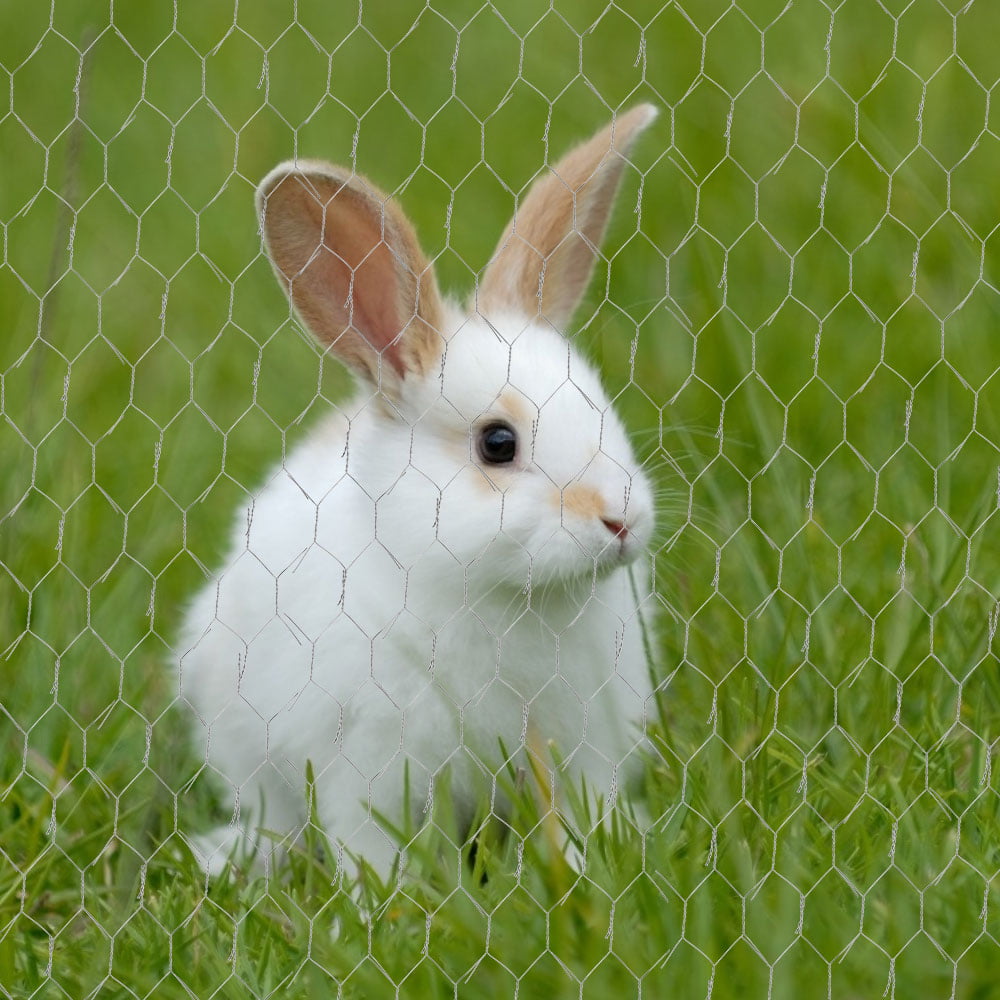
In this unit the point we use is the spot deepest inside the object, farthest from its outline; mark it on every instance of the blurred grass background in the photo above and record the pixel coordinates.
(801, 327)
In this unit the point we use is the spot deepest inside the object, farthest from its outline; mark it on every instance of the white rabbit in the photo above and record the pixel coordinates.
(442, 568)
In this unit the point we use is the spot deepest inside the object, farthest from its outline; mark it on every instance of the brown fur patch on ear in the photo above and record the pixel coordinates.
(543, 262)
(583, 501)
(351, 265)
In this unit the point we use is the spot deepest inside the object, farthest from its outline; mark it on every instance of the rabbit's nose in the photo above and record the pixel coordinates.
(617, 528)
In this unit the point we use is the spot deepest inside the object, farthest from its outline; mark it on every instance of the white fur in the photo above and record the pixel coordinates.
(388, 603)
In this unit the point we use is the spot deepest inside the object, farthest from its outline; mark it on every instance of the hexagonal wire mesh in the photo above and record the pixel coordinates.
(793, 311)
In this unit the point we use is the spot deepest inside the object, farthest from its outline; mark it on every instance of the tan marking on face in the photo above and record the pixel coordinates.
(582, 501)
(514, 406)
(487, 482)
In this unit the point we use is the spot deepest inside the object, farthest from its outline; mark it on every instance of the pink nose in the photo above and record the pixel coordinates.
(617, 528)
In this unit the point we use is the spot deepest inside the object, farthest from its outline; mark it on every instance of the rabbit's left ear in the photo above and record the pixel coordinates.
(545, 258)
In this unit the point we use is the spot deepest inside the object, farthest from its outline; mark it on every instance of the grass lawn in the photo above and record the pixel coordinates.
(802, 327)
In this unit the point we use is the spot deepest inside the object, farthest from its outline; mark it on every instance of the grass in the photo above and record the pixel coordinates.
(800, 327)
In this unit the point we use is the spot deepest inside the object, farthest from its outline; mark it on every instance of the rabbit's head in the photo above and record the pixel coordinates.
(487, 435)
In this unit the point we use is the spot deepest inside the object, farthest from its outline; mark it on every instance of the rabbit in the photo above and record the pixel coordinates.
(450, 571)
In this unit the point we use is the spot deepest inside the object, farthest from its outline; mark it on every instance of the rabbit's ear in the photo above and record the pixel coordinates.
(351, 265)
(544, 260)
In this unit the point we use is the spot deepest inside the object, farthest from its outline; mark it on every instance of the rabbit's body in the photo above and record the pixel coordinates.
(402, 597)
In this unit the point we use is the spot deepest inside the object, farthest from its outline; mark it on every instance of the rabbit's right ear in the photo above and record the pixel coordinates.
(352, 268)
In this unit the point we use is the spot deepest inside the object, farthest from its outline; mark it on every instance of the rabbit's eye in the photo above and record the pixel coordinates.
(497, 444)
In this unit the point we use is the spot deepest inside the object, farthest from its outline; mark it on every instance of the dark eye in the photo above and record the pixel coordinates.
(497, 444)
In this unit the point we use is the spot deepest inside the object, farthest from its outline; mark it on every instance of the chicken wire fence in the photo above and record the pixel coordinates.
(794, 312)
